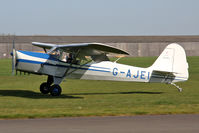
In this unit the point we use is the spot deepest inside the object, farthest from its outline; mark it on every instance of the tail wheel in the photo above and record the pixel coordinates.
(55, 90)
(44, 88)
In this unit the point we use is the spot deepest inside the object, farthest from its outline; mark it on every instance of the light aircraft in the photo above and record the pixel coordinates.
(71, 61)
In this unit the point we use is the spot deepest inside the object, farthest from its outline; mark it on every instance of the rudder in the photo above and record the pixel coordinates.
(172, 62)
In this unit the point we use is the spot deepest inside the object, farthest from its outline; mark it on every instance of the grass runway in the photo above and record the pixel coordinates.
(20, 96)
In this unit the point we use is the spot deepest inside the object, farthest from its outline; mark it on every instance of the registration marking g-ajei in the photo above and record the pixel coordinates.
(138, 74)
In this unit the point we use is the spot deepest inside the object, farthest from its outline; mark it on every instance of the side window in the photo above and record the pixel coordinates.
(67, 57)
(56, 54)
(64, 56)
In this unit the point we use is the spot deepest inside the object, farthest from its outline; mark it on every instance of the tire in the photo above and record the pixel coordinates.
(44, 88)
(55, 90)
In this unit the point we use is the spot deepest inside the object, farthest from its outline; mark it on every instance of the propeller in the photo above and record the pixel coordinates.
(13, 57)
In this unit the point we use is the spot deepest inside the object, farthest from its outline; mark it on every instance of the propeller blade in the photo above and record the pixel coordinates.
(13, 57)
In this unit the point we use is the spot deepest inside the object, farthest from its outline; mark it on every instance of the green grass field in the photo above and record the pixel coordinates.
(20, 96)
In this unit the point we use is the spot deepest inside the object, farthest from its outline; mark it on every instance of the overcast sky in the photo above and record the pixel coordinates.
(99, 17)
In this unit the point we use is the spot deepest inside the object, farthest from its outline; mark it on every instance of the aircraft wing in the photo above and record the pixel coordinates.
(44, 45)
(85, 48)
(97, 51)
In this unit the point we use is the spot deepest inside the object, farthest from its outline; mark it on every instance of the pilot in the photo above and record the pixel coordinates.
(69, 58)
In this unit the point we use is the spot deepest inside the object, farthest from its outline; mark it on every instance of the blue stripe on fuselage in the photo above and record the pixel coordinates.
(96, 67)
(39, 55)
(73, 67)
(29, 61)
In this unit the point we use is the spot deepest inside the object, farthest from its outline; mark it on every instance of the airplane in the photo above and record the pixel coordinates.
(90, 61)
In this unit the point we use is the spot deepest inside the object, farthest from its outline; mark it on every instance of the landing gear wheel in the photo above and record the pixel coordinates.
(55, 90)
(44, 88)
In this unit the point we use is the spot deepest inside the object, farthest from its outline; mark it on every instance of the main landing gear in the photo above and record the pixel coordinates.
(54, 90)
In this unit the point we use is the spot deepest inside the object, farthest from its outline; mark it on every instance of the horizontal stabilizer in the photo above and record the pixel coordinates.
(162, 76)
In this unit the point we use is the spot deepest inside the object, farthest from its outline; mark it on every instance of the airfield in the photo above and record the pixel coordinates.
(118, 124)
(100, 106)
(20, 96)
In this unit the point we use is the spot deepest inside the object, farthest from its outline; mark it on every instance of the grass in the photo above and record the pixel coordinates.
(20, 96)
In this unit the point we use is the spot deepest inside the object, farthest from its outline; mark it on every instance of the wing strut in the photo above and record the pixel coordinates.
(79, 67)
(45, 50)
(51, 50)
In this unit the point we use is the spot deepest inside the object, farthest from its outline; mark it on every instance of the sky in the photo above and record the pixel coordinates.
(99, 17)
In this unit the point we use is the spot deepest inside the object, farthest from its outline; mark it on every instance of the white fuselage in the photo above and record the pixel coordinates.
(107, 70)
(41, 63)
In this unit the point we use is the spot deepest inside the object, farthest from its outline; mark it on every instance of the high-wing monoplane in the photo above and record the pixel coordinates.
(90, 61)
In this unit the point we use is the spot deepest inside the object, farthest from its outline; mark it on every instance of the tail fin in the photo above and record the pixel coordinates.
(171, 65)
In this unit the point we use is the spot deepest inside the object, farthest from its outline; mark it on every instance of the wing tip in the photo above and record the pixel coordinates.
(121, 51)
(43, 45)
(125, 52)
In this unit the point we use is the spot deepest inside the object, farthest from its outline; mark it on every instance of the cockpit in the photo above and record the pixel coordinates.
(65, 57)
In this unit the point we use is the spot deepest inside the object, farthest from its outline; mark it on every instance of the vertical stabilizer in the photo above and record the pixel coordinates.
(173, 61)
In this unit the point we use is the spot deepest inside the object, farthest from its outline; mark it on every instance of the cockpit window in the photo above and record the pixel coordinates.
(65, 57)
